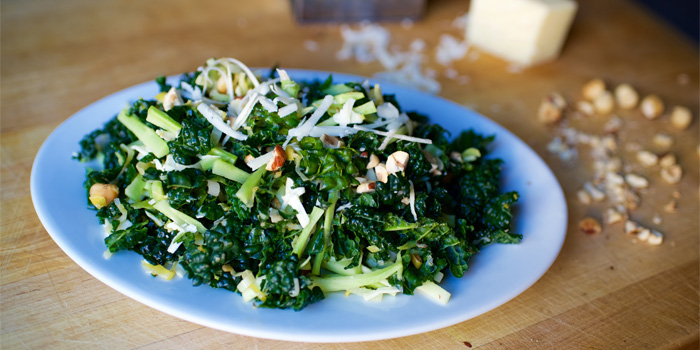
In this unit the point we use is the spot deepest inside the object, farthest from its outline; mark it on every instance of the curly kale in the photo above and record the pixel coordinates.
(430, 218)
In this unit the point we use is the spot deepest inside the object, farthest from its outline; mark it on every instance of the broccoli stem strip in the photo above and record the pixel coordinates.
(340, 267)
(177, 216)
(147, 135)
(231, 172)
(247, 191)
(135, 190)
(338, 283)
(327, 227)
(303, 238)
(159, 118)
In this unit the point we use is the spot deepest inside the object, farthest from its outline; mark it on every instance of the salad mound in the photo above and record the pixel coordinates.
(285, 190)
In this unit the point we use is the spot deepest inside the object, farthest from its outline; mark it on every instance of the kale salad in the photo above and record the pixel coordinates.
(284, 190)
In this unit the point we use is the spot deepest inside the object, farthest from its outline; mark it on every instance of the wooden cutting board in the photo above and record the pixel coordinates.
(603, 292)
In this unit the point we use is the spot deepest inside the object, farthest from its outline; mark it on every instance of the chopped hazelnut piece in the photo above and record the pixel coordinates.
(551, 108)
(381, 172)
(636, 181)
(681, 117)
(667, 160)
(643, 234)
(632, 228)
(331, 141)
(366, 187)
(613, 125)
(590, 226)
(592, 89)
(626, 96)
(604, 103)
(647, 158)
(670, 207)
(373, 161)
(656, 238)
(248, 158)
(652, 106)
(278, 160)
(595, 193)
(397, 162)
(171, 99)
(672, 174)
(583, 197)
(613, 216)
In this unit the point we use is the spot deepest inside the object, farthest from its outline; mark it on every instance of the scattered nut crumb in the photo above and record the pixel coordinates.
(626, 96)
(551, 108)
(656, 238)
(647, 158)
(672, 174)
(670, 207)
(663, 140)
(613, 216)
(667, 160)
(613, 125)
(595, 193)
(676, 195)
(590, 226)
(585, 107)
(652, 106)
(631, 228)
(681, 117)
(656, 219)
(636, 181)
(604, 103)
(593, 89)
(583, 197)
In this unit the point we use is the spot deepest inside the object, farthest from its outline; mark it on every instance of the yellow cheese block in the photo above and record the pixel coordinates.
(524, 32)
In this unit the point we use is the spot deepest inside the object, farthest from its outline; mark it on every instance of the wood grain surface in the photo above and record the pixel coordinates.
(603, 291)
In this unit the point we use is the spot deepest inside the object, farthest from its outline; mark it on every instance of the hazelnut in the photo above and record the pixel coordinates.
(585, 107)
(636, 181)
(593, 89)
(647, 158)
(652, 106)
(668, 160)
(604, 103)
(681, 117)
(672, 174)
(626, 96)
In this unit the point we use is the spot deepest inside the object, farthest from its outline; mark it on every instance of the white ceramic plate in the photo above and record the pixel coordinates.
(497, 274)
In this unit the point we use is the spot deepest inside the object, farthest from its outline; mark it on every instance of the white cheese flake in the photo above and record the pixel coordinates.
(257, 162)
(215, 119)
(287, 110)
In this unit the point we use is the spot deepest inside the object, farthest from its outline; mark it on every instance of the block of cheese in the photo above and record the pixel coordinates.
(524, 32)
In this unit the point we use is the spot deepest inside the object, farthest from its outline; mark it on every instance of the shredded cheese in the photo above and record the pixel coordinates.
(257, 162)
(215, 119)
